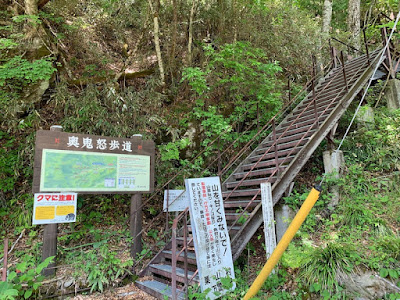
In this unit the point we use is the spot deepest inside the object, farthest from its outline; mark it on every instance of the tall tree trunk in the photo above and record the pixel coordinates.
(190, 33)
(353, 22)
(327, 16)
(155, 10)
(172, 60)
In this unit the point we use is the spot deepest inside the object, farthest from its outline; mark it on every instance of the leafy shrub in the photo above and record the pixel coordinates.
(102, 266)
(25, 273)
(325, 265)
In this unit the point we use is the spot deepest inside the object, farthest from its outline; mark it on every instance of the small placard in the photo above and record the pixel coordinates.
(50, 208)
(175, 200)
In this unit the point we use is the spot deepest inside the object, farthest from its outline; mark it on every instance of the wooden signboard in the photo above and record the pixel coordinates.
(90, 164)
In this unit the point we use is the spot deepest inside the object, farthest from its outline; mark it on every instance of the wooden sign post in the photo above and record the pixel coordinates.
(90, 164)
(50, 236)
(268, 216)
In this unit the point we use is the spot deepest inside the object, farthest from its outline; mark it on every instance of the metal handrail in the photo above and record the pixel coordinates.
(267, 151)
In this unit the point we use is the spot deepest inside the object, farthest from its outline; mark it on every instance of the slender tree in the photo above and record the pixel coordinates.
(327, 16)
(353, 22)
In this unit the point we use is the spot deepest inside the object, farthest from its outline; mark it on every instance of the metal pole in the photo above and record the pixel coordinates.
(50, 235)
(173, 254)
(185, 245)
(284, 242)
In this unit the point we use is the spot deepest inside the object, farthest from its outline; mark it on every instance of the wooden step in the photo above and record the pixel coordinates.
(158, 289)
(191, 256)
(166, 271)
(179, 241)
(282, 146)
(271, 156)
(295, 125)
(256, 173)
(234, 216)
(240, 193)
(263, 164)
(285, 139)
(240, 203)
(249, 182)
(321, 110)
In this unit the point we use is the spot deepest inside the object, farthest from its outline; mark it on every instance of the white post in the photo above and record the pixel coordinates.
(268, 215)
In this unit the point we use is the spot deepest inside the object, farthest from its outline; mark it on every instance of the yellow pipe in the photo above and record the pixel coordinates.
(284, 242)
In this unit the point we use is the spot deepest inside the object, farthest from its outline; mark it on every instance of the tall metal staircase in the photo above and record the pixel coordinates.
(277, 159)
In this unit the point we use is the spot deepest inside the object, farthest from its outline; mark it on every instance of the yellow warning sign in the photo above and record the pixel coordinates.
(45, 212)
(65, 210)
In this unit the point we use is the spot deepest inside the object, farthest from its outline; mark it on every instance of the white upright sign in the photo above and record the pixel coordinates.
(175, 200)
(49, 208)
(268, 215)
(210, 232)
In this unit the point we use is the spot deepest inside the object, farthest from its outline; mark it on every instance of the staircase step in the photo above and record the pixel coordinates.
(263, 164)
(310, 113)
(282, 146)
(249, 182)
(235, 216)
(296, 125)
(166, 271)
(240, 203)
(285, 139)
(239, 193)
(191, 256)
(255, 173)
(158, 289)
(271, 156)
(179, 241)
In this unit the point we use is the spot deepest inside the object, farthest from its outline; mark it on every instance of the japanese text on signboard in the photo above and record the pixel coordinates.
(213, 251)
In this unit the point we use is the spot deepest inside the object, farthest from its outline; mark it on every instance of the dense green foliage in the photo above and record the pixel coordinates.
(92, 67)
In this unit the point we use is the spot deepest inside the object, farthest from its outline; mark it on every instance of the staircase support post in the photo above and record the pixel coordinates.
(334, 164)
(388, 59)
(344, 71)
(366, 46)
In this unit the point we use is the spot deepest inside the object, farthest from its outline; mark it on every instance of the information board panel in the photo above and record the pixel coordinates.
(54, 208)
(210, 232)
(64, 170)
(92, 164)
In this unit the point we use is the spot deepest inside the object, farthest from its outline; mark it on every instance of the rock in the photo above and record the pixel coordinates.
(367, 286)
(68, 282)
(365, 117)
